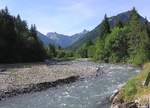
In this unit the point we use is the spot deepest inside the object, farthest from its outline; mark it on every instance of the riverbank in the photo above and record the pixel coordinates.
(30, 77)
(134, 93)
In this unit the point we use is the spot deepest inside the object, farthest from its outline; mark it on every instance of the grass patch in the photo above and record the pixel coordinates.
(130, 89)
(135, 88)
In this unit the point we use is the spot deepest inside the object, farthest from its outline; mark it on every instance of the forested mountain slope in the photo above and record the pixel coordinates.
(97, 31)
(124, 42)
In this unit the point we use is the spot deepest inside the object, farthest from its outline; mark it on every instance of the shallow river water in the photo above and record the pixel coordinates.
(91, 92)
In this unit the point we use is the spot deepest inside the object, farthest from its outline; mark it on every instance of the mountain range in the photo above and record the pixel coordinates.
(61, 40)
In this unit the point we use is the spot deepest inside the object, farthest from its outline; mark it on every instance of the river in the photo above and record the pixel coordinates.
(90, 92)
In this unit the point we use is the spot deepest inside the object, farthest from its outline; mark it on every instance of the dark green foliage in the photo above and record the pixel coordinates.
(51, 51)
(87, 50)
(82, 52)
(116, 45)
(138, 40)
(105, 28)
(119, 23)
(99, 53)
(17, 42)
(64, 54)
(91, 51)
(100, 43)
(58, 52)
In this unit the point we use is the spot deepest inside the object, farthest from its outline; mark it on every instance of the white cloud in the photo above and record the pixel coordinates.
(78, 8)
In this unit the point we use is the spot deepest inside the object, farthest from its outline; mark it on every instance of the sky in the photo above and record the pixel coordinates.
(71, 16)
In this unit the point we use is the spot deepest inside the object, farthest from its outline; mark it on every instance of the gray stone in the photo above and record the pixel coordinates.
(3, 69)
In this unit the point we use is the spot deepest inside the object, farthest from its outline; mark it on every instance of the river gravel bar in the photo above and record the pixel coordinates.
(19, 76)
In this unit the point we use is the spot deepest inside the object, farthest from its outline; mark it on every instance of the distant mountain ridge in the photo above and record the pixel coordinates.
(93, 34)
(61, 40)
(65, 40)
(44, 39)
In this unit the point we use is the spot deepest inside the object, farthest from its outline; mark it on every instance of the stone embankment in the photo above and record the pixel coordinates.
(116, 102)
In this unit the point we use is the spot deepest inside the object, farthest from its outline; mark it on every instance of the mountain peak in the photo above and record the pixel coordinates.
(51, 33)
(85, 31)
(46, 41)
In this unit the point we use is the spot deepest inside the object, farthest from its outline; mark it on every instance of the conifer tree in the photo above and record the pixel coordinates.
(105, 27)
(119, 23)
(100, 43)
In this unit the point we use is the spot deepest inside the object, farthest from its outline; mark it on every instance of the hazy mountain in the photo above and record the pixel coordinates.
(93, 34)
(77, 36)
(65, 40)
(45, 40)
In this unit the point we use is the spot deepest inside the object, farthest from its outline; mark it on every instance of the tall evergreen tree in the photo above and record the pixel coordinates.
(51, 50)
(100, 43)
(105, 27)
(119, 23)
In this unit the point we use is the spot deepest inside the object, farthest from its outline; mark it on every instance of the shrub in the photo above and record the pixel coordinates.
(130, 89)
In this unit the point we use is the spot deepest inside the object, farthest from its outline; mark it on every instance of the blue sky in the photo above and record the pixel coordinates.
(71, 16)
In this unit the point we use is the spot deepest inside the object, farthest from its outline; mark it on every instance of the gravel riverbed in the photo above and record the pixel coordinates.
(15, 76)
